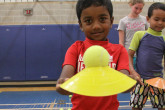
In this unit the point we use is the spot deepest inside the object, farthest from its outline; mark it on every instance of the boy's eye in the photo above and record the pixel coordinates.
(156, 19)
(88, 21)
(102, 19)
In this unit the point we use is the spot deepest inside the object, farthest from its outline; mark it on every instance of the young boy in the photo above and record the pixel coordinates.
(150, 48)
(95, 20)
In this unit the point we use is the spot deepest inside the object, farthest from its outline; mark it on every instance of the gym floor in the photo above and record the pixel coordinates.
(45, 98)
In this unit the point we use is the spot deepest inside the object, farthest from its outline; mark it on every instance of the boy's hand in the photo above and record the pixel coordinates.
(137, 77)
(59, 89)
(62, 80)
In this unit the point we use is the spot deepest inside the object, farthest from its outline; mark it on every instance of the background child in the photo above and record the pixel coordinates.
(95, 20)
(150, 48)
(131, 23)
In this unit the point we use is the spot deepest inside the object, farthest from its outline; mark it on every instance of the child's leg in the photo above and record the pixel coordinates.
(161, 108)
(139, 96)
(157, 97)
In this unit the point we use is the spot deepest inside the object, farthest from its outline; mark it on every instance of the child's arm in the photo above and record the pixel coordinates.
(67, 72)
(133, 73)
(121, 37)
(126, 72)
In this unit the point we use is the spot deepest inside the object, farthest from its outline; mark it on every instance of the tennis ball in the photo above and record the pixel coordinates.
(96, 56)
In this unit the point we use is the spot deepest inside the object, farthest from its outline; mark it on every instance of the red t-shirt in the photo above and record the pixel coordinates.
(118, 60)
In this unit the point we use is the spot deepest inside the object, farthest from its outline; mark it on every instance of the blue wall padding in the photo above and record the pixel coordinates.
(12, 53)
(36, 52)
(114, 35)
(43, 52)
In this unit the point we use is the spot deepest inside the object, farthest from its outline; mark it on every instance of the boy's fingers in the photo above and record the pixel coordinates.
(62, 80)
(66, 79)
(139, 80)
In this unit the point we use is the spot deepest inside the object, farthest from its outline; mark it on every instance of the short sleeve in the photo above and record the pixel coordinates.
(123, 61)
(71, 56)
(136, 40)
(121, 25)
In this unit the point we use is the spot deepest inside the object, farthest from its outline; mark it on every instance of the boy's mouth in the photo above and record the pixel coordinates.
(96, 33)
(160, 27)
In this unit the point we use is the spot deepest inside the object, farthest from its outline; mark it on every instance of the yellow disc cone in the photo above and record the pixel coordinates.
(98, 80)
(157, 82)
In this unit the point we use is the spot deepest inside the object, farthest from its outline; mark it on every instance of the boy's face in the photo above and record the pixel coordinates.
(96, 22)
(157, 20)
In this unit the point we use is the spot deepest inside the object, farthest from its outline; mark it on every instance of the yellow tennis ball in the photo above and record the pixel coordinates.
(96, 56)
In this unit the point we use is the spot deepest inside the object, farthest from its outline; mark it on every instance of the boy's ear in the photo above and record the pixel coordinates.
(147, 18)
(80, 24)
(112, 19)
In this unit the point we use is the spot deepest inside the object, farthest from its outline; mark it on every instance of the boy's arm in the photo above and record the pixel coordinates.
(67, 72)
(126, 72)
(133, 73)
(121, 37)
(131, 55)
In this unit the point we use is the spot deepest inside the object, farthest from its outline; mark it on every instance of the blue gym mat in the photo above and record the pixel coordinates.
(47, 100)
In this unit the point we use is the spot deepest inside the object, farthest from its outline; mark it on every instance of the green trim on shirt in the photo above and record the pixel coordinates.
(139, 35)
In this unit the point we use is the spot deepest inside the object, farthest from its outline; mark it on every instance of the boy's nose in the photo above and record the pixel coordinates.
(160, 22)
(96, 25)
